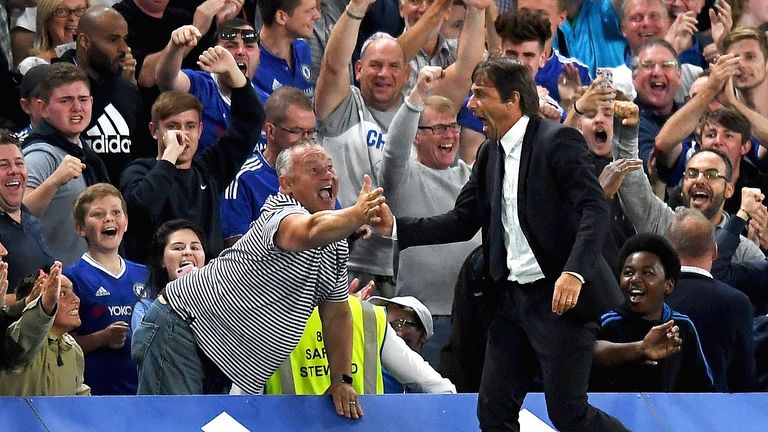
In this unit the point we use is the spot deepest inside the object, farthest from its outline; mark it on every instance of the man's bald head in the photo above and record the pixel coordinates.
(101, 42)
(96, 17)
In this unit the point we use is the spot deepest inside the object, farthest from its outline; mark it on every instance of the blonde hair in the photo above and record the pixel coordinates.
(45, 9)
(91, 194)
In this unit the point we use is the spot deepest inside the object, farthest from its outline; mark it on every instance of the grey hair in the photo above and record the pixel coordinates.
(284, 161)
(691, 233)
(374, 37)
(623, 9)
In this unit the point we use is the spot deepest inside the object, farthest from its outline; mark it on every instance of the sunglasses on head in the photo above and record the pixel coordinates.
(248, 35)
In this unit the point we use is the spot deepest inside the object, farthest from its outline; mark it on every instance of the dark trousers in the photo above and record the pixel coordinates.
(525, 334)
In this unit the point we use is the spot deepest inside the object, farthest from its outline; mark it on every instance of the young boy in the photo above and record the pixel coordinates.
(655, 349)
(108, 287)
(56, 368)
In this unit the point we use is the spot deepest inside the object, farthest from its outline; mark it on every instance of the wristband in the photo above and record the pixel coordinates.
(353, 16)
(748, 215)
(576, 110)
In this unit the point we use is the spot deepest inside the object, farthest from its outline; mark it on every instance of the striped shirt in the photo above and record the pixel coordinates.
(248, 307)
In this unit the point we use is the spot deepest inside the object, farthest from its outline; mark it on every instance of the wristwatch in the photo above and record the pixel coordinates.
(342, 378)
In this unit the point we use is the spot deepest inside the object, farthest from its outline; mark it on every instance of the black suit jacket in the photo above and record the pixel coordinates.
(723, 318)
(561, 209)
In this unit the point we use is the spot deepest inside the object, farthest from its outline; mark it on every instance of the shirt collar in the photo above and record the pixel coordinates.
(697, 270)
(514, 135)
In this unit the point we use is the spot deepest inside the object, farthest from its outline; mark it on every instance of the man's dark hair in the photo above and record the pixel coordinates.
(508, 77)
(690, 233)
(730, 119)
(279, 101)
(7, 137)
(656, 245)
(269, 9)
(523, 26)
(57, 75)
(723, 156)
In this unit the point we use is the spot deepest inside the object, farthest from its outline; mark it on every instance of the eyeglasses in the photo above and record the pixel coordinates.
(248, 35)
(709, 174)
(666, 65)
(300, 131)
(440, 129)
(63, 12)
(418, 3)
(400, 323)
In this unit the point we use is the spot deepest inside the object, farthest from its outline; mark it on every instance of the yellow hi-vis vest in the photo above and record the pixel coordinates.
(306, 370)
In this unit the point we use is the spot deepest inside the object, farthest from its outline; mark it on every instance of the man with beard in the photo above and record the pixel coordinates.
(707, 183)
(117, 109)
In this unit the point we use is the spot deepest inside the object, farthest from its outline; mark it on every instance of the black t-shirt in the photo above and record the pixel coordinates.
(148, 35)
(118, 130)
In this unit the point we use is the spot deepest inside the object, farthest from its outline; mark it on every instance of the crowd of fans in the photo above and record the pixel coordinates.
(207, 123)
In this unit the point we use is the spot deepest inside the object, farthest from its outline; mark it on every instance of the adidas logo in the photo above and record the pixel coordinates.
(101, 292)
(110, 134)
(276, 84)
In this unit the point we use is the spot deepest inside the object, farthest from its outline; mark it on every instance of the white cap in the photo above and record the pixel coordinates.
(411, 302)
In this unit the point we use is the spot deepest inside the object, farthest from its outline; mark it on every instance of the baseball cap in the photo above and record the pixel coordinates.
(32, 79)
(411, 302)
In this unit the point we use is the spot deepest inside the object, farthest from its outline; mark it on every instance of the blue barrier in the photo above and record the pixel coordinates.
(403, 413)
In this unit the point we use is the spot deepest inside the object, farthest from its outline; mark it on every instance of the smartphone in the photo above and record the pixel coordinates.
(606, 73)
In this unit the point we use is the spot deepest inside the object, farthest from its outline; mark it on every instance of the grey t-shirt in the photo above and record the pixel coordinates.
(414, 189)
(57, 221)
(355, 135)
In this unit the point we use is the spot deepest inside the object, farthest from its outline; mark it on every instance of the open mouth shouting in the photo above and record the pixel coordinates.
(326, 193)
(446, 147)
(658, 87)
(635, 296)
(13, 185)
(601, 136)
(109, 232)
(243, 66)
(700, 197)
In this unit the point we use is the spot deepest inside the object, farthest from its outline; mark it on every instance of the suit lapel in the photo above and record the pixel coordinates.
(498, 258)
(525, 158)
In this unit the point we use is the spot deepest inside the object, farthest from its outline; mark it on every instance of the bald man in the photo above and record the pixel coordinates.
(103, 54)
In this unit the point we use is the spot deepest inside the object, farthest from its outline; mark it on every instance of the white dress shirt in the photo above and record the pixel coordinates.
(522, 264)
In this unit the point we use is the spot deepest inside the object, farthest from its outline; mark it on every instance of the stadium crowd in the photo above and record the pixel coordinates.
(385, 196)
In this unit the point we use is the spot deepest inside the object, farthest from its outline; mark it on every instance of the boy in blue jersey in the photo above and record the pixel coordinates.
(654, 349)
(107, 286)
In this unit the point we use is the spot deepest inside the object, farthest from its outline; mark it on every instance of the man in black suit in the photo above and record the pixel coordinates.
(542, 242)
(721, 313)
